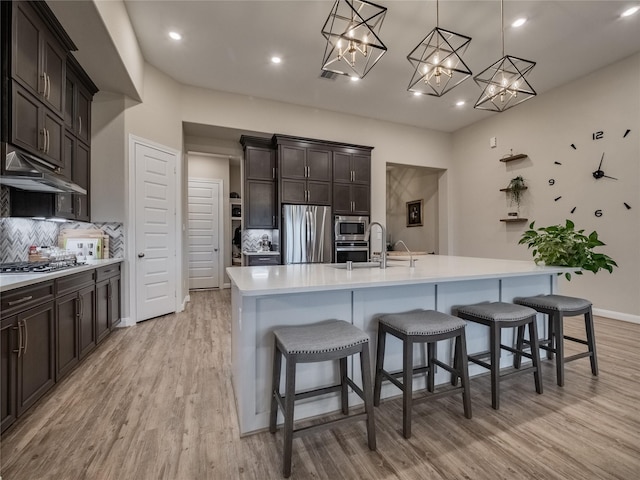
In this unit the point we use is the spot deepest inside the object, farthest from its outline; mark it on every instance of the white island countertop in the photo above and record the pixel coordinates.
(9, 281)
(283, 279)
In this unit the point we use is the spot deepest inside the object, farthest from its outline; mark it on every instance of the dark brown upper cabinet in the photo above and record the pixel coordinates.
(260, 198)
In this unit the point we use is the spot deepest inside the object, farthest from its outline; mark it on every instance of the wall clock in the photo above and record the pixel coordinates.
(605, 172)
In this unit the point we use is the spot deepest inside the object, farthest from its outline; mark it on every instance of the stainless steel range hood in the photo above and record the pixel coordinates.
(26, 172)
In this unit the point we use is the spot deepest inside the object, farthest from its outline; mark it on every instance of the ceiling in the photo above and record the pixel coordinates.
(227, 46)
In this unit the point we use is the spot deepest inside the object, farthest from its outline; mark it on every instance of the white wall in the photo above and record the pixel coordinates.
(544, 128)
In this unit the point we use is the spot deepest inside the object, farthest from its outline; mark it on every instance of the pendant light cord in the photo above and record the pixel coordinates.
(502, 24)
(437, 13)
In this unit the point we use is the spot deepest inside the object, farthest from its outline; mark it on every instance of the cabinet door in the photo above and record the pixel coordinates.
(26, 129)
(292, 162)
(341, 167)
(54, 140)
(260, 206)
(25, 48)
(319, 193)
(81, 176)
(293, 191)
(259, 163)
(102, 310)
(54, 61)
(114, 301)
(36, 371)
(83, 115)
(361, 166)
(319, 164)
(361, 198)
(64, 207)
(8, 372)
(87, 331)
(342, 199)
(67, 353)
(69, 103)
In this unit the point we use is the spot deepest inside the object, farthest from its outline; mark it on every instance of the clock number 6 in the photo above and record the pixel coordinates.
(598, 213)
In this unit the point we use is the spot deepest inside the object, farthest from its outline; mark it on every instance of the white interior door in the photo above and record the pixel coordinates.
(204, 233)
(155, 232)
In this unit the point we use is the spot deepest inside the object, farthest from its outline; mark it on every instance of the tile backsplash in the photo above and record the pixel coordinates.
(18, 234)
(251, 239)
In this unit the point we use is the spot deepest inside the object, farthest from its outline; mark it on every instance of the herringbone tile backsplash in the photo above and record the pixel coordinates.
(18, 234)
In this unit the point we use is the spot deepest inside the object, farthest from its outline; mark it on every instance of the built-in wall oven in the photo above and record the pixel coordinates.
(350, 245)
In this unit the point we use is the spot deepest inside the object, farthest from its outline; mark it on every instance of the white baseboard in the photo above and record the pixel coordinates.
(186, 300)
(126, 322)
(625, 317)
(226, 285)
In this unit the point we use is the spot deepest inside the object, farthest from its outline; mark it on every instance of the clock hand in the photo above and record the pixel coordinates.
(607, 176)
(600, 166)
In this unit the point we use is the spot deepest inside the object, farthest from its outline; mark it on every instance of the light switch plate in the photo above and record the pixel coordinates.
(493, 142)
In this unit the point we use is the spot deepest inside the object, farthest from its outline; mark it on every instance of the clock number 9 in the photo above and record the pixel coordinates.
(552, 181)
(598, 213)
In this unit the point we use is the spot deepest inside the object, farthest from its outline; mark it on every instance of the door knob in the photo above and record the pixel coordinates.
(140, 255)
(215, 249)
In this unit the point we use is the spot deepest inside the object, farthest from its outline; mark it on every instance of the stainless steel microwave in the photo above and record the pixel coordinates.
(350, 228)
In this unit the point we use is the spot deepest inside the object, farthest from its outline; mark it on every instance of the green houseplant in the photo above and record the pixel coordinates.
(516, 188)
(565, 246)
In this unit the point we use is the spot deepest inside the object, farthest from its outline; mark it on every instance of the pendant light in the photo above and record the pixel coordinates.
(504, 84)
(353, 45)
(437, 61)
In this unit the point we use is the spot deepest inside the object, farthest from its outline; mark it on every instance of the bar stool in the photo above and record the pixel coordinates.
(331, 340)
(557, 307)
(496, 316)
(422, 326)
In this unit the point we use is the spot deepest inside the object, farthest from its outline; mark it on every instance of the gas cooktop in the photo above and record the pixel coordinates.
(37, 267)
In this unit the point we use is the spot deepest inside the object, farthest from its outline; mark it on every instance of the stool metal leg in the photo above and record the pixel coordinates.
(591, 341)
(558, 331)
(517, 357)
(551, 337)
(495, 333)
(290, 395)
(431, 373)
(535, 353)
(275, 388)
(344, 392)
(407, 384)
(382, 337)
(368, 395)
(463, 370)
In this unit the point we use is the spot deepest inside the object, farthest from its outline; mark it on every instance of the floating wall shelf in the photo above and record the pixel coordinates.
(514, 220)
(511, 158)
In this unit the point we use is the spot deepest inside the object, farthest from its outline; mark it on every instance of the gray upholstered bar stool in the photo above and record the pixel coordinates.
(331, 340)
(422, 326)
(496, 316)
(557, 307)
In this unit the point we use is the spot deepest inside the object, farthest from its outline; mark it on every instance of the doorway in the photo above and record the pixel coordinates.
(204, 216)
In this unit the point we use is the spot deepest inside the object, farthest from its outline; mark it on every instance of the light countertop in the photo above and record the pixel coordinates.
(282, 279)
(247, 252)
(9, 281)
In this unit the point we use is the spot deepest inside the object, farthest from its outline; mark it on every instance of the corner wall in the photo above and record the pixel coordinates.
(544, 128)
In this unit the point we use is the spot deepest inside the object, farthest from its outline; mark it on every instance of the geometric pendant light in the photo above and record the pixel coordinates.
(351, 30)
(437, 61)
(504, 83)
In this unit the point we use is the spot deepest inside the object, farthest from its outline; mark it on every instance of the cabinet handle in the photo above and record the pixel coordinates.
(26, 337)
(109, 291)
(44, 140)
(48, 87)
(80, 125)
(79, 206)
(19, 350)
(273, 173)
(19, 301)
(77, 307)
(273, 221)
(44, 85)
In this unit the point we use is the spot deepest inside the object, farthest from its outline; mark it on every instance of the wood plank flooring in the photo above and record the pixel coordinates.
(155, 401)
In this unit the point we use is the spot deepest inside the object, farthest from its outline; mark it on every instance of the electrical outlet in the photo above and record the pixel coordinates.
(493, 142)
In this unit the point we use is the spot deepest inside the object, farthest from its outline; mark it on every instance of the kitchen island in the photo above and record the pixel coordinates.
(263, 298)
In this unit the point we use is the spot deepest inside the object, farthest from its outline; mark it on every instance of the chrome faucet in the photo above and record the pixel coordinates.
(383, 253)
(412, 261)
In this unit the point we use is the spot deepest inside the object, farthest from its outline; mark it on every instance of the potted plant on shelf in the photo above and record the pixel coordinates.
(564, 246)
(515, 190)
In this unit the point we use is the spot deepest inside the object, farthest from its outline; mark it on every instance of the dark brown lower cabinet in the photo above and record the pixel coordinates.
(114, 302)
(67, 325)
(87, 333)
(8, 372)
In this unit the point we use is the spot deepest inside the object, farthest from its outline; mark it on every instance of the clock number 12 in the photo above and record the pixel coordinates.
(597, 135)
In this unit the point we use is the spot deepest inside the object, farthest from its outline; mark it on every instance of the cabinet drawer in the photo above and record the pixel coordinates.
(254, 260)
(21, 299)
(108, 271)
(75, 282)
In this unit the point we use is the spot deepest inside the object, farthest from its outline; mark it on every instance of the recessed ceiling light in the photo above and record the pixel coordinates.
(630, 11)
(175, 35)
(276, 59)
(519, 22)
(460, 103)
(354, 79)
(417, 94)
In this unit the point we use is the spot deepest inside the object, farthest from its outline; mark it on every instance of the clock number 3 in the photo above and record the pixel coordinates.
(597, 135)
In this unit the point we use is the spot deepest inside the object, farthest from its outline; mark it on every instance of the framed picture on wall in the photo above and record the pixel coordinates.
(414, 213)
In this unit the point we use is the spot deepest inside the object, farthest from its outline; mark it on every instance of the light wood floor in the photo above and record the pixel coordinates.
(155, 402)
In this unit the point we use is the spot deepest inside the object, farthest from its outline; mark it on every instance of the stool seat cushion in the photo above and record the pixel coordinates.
(497, 311)
(322, 337)
(422, 322)
(560, 303)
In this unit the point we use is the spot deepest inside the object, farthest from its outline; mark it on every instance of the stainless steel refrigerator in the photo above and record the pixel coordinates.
(306, 234)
